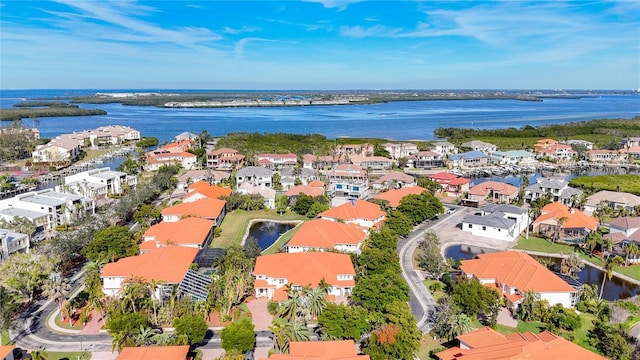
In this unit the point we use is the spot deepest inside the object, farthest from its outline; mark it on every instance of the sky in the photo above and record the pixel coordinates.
(319, 44)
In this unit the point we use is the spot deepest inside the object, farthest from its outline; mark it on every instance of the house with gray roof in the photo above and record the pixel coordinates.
(514, 157)
(556, 189)
(255, 175)
(11, 242)
(469, 159)
(288, 176)
(497, 221)
(58, 208)
(477, 145)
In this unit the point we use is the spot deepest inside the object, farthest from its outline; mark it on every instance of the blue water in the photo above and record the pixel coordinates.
(411, 120)
(613, 289)
(267, 232)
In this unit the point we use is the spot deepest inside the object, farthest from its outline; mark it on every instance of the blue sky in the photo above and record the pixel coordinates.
(324, 44)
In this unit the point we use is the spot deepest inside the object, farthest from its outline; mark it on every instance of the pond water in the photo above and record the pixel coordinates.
(614, 289)
(267, 232)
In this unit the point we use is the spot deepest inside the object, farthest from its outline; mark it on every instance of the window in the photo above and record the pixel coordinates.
(484, 228)
(281, 281)
(338, 186)
(470, 226)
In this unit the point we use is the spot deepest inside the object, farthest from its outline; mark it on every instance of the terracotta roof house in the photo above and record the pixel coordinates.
(320, 350)
(193, 176)
(320, 235)
(167, 265)
(155, 159)
(493, 191)
(513, 273)
(497, 221)
(190, 232)
(395, 196)
(277, 161)
(362, 213)
(302, 269)
(155, 353)
(178, 145)
(488, 344)
(631, 153)
(6, 352)
(224, 159)
(453, 185)
(624, 231)
(564, 223)
(557, 152)
(313, 191)
(545, 143)
(612, 199)
(202, 189)
(558, 189)
(207, 208)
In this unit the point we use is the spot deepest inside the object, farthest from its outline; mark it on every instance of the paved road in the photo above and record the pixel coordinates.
(421, 302)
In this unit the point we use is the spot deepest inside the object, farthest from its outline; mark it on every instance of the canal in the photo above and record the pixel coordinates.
(614, 289)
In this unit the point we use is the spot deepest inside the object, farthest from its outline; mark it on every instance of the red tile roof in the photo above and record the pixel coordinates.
(186, 231)
(355, 209)
(316, 183)
(211, 191)
(488, 344)
(393, 197)
(575, 219)
(312, 191)
(443, 176)
(154, 353)
(497, 186)
(326, 234)
(517, 270)
(306, 268)
(321, 350)
(5, 350)
(208, 208)
(167, 264)
(459, 181)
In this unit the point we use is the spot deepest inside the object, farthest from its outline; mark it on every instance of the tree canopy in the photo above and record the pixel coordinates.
(111, 244)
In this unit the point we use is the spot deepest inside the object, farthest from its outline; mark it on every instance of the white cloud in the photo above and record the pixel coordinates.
(370, 31)
(341, 5)
(242, 30)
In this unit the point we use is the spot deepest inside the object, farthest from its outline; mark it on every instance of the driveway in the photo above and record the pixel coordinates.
(259, 314)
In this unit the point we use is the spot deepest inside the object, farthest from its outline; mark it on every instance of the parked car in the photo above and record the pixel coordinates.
(451, 210)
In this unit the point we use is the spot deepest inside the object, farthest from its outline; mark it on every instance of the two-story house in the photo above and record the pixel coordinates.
(400, 150)
(224, 159)
(513, 157)
(497, 221)
(555, 189)
(362, 213)
(323, 235)
(206, 208)
(191, 232)
(444, 148)
(372, 162)
(469, 159)
(11, 242)
(425, 160)
(255, 175)
(277, 161)
(348, 181)
(493, 191)
(58, 208)
(481, 146)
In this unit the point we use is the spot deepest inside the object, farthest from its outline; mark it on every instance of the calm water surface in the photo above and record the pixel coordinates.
(410, 120)
(267, 232)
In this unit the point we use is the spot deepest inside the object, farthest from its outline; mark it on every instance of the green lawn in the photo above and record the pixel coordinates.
(69, 355)
(436, 294)
(534, 327)
(546, 246)
(235, 225)
(275, 247)
(4, 338)
(427, 344)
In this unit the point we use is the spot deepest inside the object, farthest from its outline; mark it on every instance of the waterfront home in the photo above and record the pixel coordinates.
(202, 189)
(46, 208)
(206, 208)
(393, 180)
(481, 146)
(372, 162)
(348, 181)
(613, 199)
(277, 161)
(323, 235)
(59, 149)
(180, 352)
(365, 214)
(452, 185)
(513, 157)
(157, 158)
(559, 222)
(555, 189)
(348, 150)
(425, 160)
(313, 191)
(631, 153)
(624, 230)
(514, 273)
(255, 175)
(400, 150)
(268, 194)
(303, 269)
(109, 135)
(98, 184)
(12, 242)
(185, 135)
(444, 148)
(557, 152)
(493, 191)
(544, 143)
(488, 344)
(167, 265)
(177, 146)
(193, 176)
(190, 232)
(605, 156)
(394, 196)
(575, 142)
(320, 350)
(497, 221)
(289, 176)
(469, 159)
(224, 159)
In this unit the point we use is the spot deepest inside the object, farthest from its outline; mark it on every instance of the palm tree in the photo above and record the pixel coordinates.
(291, 308)
(57, 288)
(607, 246)
(315, 302)
(593, 240)
(297, 331)
(145, 336)
(609, 264)
(526, 309)
(632, 250)
(559, 227)
(459, 324)
(571, 265)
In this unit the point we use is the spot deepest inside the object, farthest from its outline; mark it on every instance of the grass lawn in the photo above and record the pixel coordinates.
(234, 225)
(281, 241)
(70, 355)
(96, 153)
(4, 338)
(534, 327)
(427, 344)
(586, 321)
(546, 246)
(436, 294)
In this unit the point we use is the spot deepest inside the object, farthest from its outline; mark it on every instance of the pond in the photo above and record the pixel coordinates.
(613, 290)
(267, 232)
